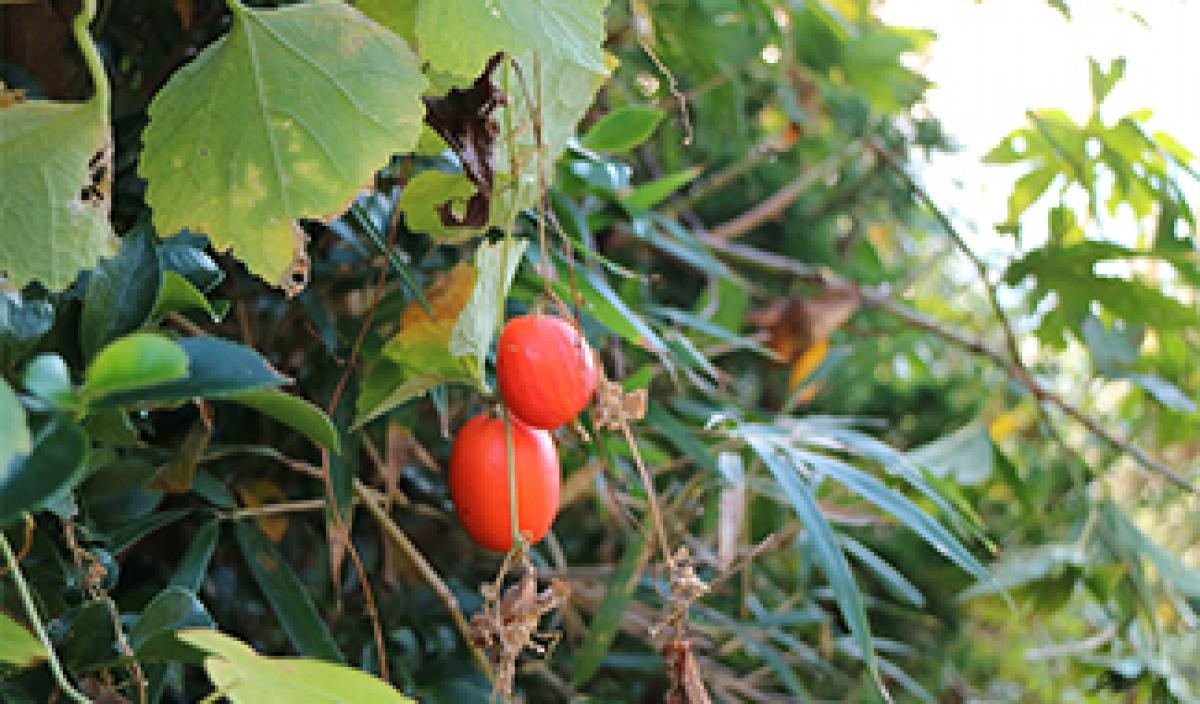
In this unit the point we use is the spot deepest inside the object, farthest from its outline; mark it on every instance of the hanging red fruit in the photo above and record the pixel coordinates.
(546, 370)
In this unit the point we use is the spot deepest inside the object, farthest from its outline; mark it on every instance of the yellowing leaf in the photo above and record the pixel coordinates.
(808, 362)
(54, 202)
(1005, 424)
(321, 97)
(259, 492)
(450, 346)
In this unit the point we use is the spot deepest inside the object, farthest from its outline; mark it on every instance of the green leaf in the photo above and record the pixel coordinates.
(648, 195)
(1104, 81)
(53, 466)
(184, 254)
(121, 293)
(495, 266)
(680, 436)
(172, 609)
(134, 362)
(623, 129)
(22, 324)
(292, 411)
(425, 193)
(15, 438)
(245, 677)
(449, 347)
(966, 455)
(18, 647)
(1131, 544)
(898, 505)
(288, 598)
(1163, 391)
(192, 568)
(48, 233)
(177, 295)
(216, 369)
(1027, 190)
(321, 97)
(400, 16)
(826, 549)
(889, 576)
(617, 596)
(48, 378)
(565, 31)
(91, 639)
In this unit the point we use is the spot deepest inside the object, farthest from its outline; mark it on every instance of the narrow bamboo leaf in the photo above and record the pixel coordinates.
(294, 412)
(648, 195)
(891, 578)
(194, 565)
(608, 617)
(661, 420)
(824, 542)
(897, 504)
(288, 598)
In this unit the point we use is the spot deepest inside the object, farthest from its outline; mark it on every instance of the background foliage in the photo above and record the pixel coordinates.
(902, 470)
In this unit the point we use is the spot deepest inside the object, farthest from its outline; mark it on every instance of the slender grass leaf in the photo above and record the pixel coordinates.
(288, 598)
(189, 574)
(612, 609)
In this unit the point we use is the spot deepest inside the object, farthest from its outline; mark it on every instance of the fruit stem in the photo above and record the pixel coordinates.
(31, 611)
(91, 55)
(512, 481)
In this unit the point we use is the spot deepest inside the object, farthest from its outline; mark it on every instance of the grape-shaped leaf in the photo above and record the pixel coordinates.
(565, 31)
(54, 203)
(286, 117)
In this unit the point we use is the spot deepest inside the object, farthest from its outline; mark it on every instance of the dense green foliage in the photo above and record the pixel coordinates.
(254, 260)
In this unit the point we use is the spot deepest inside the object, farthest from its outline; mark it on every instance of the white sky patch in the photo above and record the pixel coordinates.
(996, 59)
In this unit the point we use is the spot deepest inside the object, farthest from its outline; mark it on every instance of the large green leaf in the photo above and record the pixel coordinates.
(15, 438)
(567, 31)
(18, 647)
(288, 598)
(245, 677)
(121, 293)
(321, 96)
(216, 369)
(48, 233)
(53, 466)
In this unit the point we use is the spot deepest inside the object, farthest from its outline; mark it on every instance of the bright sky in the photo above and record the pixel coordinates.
(997, 58)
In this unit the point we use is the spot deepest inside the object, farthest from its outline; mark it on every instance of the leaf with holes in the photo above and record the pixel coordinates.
(54, 205)
(313, 127)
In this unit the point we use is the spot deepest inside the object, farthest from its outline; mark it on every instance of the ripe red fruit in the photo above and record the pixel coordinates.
(546, 370)
(479, 481)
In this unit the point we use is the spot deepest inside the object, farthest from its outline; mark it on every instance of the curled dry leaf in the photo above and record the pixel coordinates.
(614, 407)
(686, 686)
(797, 323)
(466, 119)
(508, 624)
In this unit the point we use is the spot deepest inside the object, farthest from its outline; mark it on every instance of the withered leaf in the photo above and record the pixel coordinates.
(686, 685)
(465, 118)
(796, 323)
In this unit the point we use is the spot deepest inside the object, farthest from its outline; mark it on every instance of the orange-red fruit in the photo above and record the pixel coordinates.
(546, 370)
(479, 481)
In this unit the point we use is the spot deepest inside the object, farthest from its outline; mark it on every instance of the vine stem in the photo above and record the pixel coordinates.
(91, 55)
(655, 514)
(511, 459)
(31, 611)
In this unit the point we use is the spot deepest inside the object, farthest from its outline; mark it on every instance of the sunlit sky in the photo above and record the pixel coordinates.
(997, 58)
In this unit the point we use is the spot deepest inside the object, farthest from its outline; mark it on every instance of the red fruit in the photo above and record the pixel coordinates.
(546, 370)
(479, 481)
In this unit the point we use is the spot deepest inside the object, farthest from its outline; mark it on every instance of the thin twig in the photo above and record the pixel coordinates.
(981, 267)
(779, 201)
